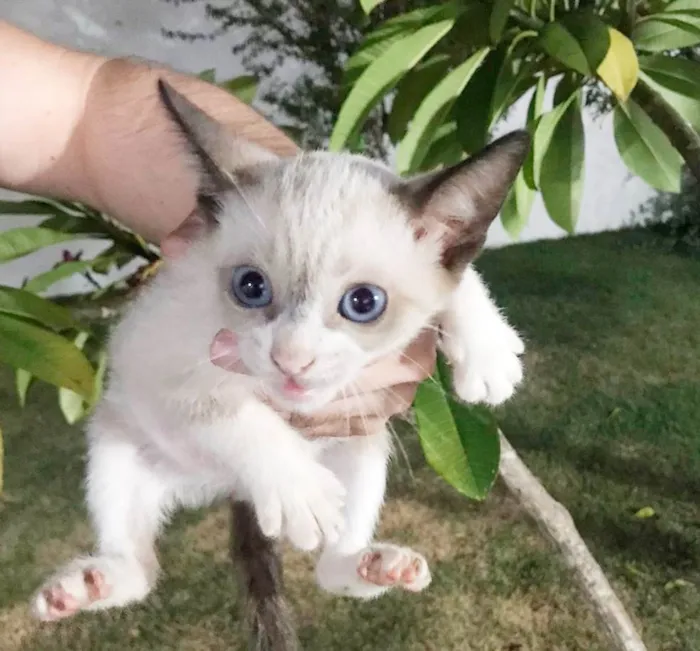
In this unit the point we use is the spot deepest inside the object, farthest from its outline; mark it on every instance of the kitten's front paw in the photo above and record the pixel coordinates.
(487, 369)
(305, 504)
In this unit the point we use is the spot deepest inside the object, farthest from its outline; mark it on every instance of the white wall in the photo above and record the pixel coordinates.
(133, 27)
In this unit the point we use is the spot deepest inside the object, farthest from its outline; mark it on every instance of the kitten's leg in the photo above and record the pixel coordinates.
(126, 501)
(355, 566)
(481, 346)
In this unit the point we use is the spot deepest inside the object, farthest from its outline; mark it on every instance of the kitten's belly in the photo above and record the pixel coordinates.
(166, 442)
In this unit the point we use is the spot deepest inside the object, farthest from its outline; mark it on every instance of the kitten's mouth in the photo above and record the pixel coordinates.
(292, 389)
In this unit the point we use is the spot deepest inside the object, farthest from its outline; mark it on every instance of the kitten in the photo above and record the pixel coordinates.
(320, 264)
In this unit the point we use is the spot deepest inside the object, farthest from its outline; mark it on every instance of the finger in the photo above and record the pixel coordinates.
(414, 364)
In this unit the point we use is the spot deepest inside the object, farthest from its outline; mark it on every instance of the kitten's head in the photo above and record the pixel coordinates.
(326, 262)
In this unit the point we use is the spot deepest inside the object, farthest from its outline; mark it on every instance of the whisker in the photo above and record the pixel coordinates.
(247, 203)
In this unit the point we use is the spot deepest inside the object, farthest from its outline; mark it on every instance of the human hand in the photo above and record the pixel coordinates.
(385, 388)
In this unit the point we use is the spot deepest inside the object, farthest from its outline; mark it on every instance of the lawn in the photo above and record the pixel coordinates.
(608, 418)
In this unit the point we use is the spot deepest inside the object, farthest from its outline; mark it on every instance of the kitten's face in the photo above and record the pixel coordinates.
(320, 273)
(324, 263)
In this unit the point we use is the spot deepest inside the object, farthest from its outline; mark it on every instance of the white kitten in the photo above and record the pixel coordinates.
(320, 265)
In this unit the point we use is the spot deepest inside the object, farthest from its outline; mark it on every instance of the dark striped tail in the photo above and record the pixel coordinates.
(267, 614)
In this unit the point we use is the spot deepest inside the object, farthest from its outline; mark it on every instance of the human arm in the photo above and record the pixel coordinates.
(83, 127)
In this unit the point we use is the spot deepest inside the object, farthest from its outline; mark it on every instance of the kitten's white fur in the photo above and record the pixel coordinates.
(173, 429)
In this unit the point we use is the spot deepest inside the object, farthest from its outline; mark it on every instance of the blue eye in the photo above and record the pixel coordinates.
(363, 303)
(250, 287)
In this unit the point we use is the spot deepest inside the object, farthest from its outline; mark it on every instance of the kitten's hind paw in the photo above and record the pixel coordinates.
(89, 584)
(392, 566)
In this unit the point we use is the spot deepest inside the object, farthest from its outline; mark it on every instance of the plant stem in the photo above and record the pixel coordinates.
(556, 522)
(629, 16)
(525, 20)
(681, 134)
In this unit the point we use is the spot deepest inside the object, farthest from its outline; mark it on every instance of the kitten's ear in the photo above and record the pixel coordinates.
(458, 204)
(217, 152)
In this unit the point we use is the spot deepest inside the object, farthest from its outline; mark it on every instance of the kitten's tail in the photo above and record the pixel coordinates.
(267, 613)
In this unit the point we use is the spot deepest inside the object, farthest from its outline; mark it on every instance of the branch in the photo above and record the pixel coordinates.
(556, 522)
(681, 134)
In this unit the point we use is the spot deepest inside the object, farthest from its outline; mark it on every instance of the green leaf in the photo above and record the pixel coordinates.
(562, 170)
(472, 110)
(460, 442)
(73, 406)
(381, 75)
(660, 32)
(18, 242)
(543, 132)
(208, 75)
(534, 111)
(645, 149)
(41, 282)
(499, 18)
(517, 207)
(2, 462)
(444, 149)
(44, 354)
(645, 513)
(22, 303)
(369, 5)
(411, 91)
(29, 207)
(243, 87)
(432, 112)
(591, 34)
(619, 70)
(389, 32)
(687, 107)
(22, 382)
(677, 74)
(559, 43)
(514, 79)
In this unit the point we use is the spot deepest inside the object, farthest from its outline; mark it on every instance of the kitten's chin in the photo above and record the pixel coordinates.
(306, 402)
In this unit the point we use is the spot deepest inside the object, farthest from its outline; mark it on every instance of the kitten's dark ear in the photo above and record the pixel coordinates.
(460, 203)
(217, 155)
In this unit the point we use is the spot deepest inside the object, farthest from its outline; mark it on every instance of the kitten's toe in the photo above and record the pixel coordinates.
(69, 593)
(313, 507)
(91, 583)
(392, 566)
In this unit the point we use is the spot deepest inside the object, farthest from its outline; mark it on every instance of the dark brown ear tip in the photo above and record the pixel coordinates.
(164, 91)
(520, 140)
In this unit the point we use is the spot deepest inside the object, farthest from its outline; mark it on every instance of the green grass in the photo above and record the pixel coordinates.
(608, 418)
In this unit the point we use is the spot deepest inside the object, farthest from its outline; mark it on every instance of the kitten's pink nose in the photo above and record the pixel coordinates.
(292, 362)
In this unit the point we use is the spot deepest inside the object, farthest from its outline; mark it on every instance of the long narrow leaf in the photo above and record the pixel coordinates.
(23, 380)
(676, 74)
(73, 406)
(41, 282)
(472, 110)
(460, 442)
(562, 171)
(658, 32)
(18, 242)
(432, 112)
(30, 306)
(45, 355)
(517, 207)
(543, 133)
(645, 149)
(382, 75)
(499, 18)
(411, 91)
